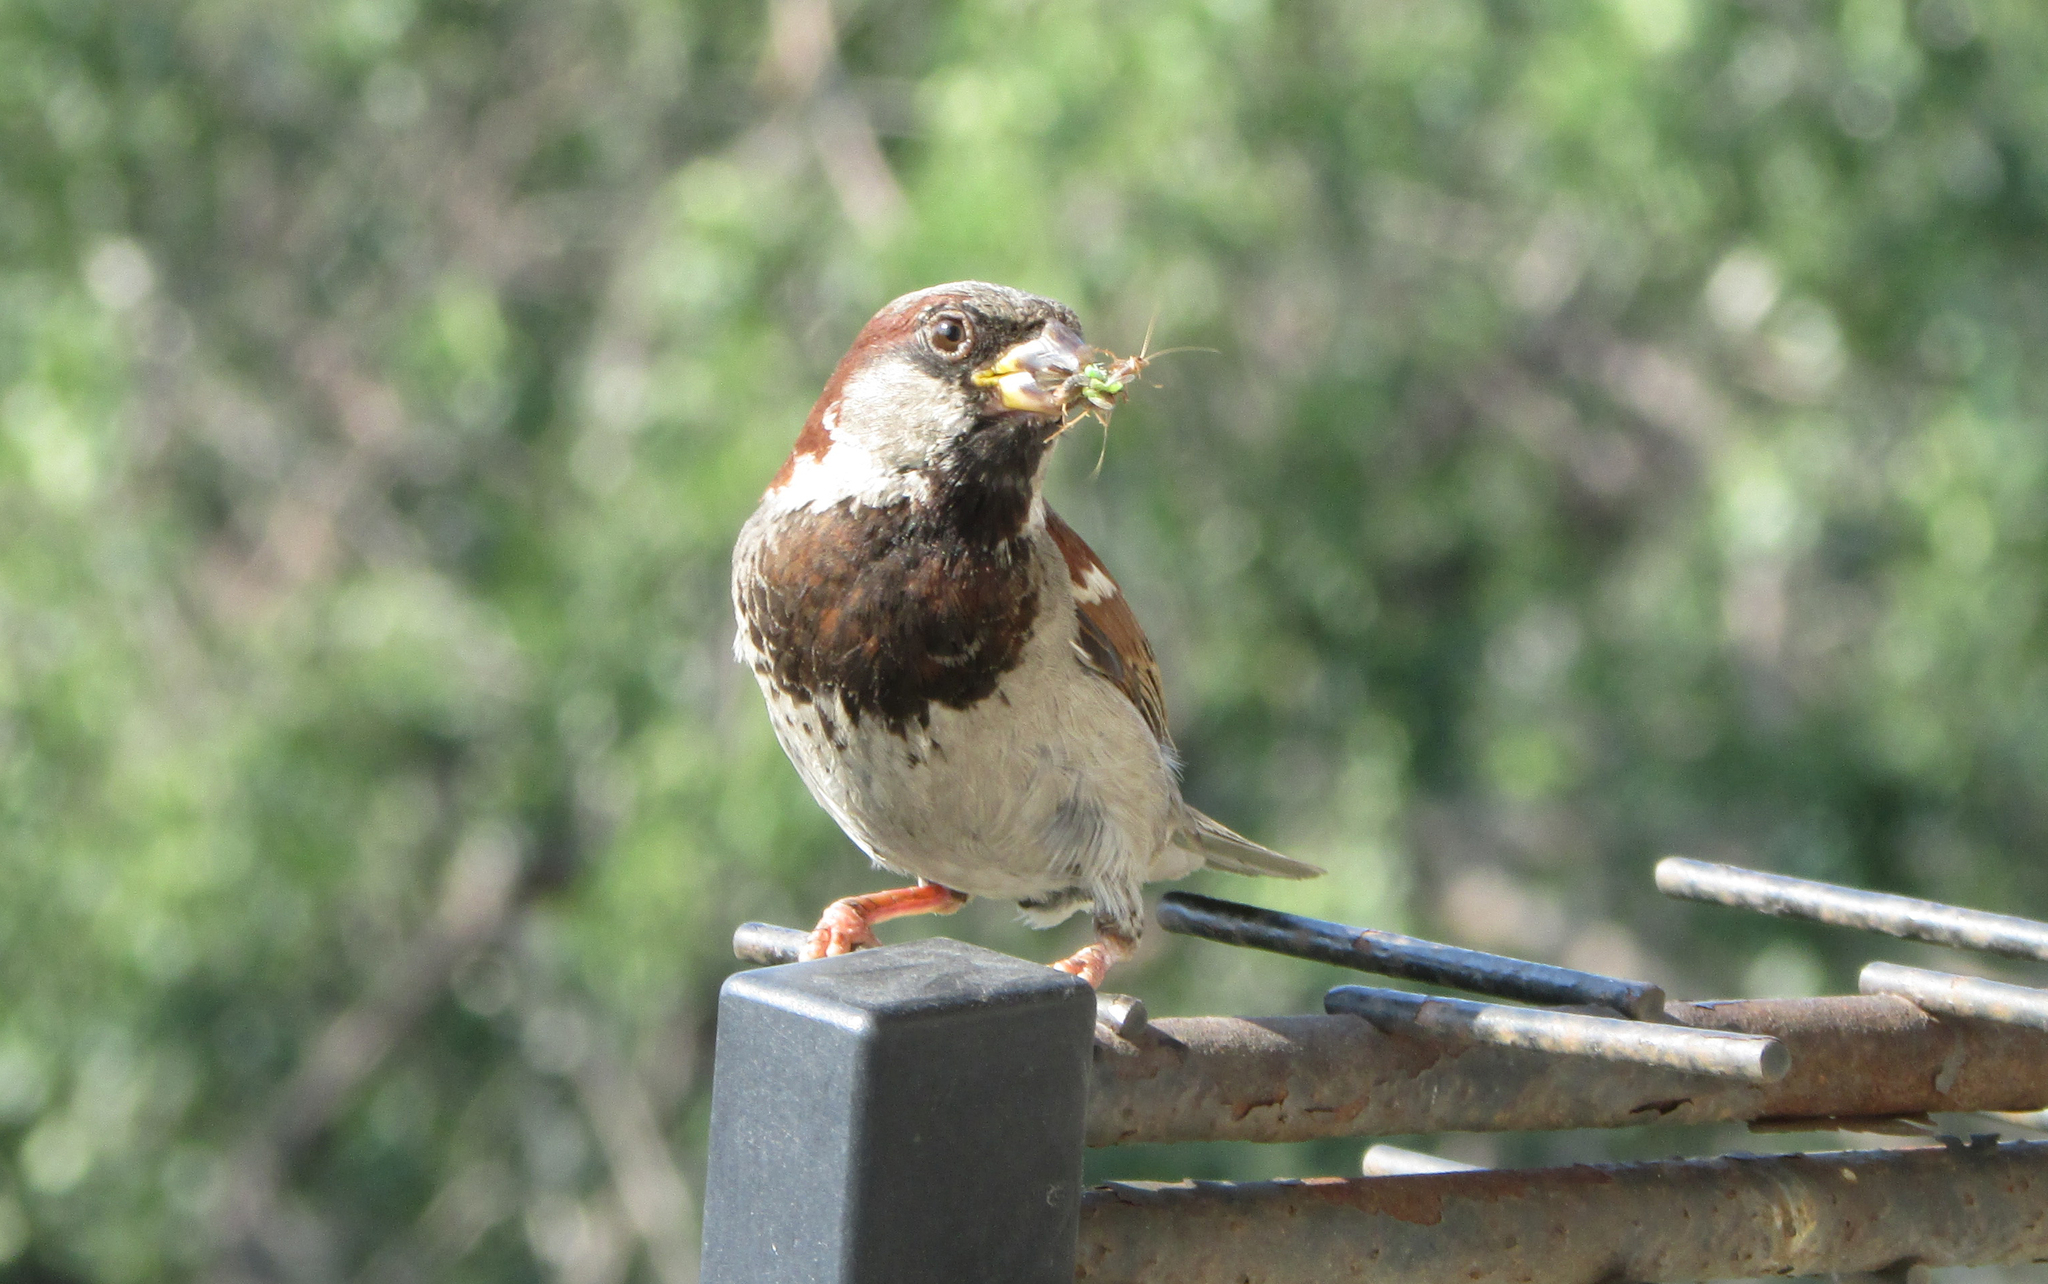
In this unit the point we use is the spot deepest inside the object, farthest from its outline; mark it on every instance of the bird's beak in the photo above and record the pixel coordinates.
(1028, 377)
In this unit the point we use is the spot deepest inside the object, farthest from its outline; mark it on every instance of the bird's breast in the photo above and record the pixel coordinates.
(883, 608)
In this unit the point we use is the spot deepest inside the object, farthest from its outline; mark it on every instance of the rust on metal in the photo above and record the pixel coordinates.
(1682, 1220)
(1297, 1078)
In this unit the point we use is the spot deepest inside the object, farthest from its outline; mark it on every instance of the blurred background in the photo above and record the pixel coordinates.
(1620, 438)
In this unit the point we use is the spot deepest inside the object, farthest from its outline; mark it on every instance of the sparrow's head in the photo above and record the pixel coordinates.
(956, 384)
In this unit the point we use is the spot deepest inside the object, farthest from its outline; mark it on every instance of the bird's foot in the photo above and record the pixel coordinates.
(1092, 962)
(841, 929)
(848, 924)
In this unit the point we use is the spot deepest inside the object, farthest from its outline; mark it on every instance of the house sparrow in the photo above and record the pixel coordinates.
(957, 678)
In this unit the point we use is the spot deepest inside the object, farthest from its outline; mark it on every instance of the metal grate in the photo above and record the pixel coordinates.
(1595, 1052)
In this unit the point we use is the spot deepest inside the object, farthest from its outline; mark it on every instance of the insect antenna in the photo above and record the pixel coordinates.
(1095, 390)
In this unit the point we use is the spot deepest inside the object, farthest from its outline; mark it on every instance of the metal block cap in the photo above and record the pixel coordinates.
(905, 1115)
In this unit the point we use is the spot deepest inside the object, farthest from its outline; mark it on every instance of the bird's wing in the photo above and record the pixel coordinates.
(1110, 641)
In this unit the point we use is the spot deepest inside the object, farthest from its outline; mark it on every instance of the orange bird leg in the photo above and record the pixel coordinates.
(849, 924)
(1091, 962)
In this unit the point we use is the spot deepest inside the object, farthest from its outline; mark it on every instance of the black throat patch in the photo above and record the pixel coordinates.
(894, 609)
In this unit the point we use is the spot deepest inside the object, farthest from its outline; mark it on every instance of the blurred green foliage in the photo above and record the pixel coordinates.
(1624, 433)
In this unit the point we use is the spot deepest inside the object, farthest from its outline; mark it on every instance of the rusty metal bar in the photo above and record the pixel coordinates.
(1734, 1217)
(1411, 959)
(765, 943)
(1296, 1078)
(1905, 916)
(1757, 1058)
(1960, 996)
(1394, 1161)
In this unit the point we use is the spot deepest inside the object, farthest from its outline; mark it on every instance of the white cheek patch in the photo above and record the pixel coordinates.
(901, 417)
(845, 473)
(901, 413)
(889, 424)
(1095, 586)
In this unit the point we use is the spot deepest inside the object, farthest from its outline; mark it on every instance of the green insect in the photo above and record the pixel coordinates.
(1093, 391)
(1099, 385)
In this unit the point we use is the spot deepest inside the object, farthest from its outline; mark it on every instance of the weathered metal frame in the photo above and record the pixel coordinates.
(1300, 1078)
(1393, 1063)
(1739, 1216)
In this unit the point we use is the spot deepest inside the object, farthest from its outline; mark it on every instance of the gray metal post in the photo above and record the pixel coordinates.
(905, 1115)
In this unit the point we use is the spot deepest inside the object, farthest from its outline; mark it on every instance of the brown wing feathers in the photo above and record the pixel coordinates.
(1110, 641)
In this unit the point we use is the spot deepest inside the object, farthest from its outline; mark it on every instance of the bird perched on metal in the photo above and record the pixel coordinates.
(957, 678)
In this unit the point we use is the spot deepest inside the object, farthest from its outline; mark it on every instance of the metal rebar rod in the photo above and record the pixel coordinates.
(1905, 916)
(1963, 996)
(1756, 1058)
(766, 943)
(1298, 1078)
(1734, 1217)
(1391, 954)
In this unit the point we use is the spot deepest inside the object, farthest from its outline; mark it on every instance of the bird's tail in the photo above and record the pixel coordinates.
(1226, 849)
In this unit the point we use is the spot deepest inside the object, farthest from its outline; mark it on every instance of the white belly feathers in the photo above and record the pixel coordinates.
(1050, 785)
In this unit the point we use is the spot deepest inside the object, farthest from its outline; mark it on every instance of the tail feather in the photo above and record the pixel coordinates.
(1226, 849)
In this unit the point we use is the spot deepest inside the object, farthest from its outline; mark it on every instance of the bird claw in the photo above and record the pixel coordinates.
(1090, 963)
(848, 924)
(841, 929)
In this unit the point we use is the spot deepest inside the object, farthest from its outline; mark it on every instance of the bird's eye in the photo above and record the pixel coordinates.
(949, 333)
